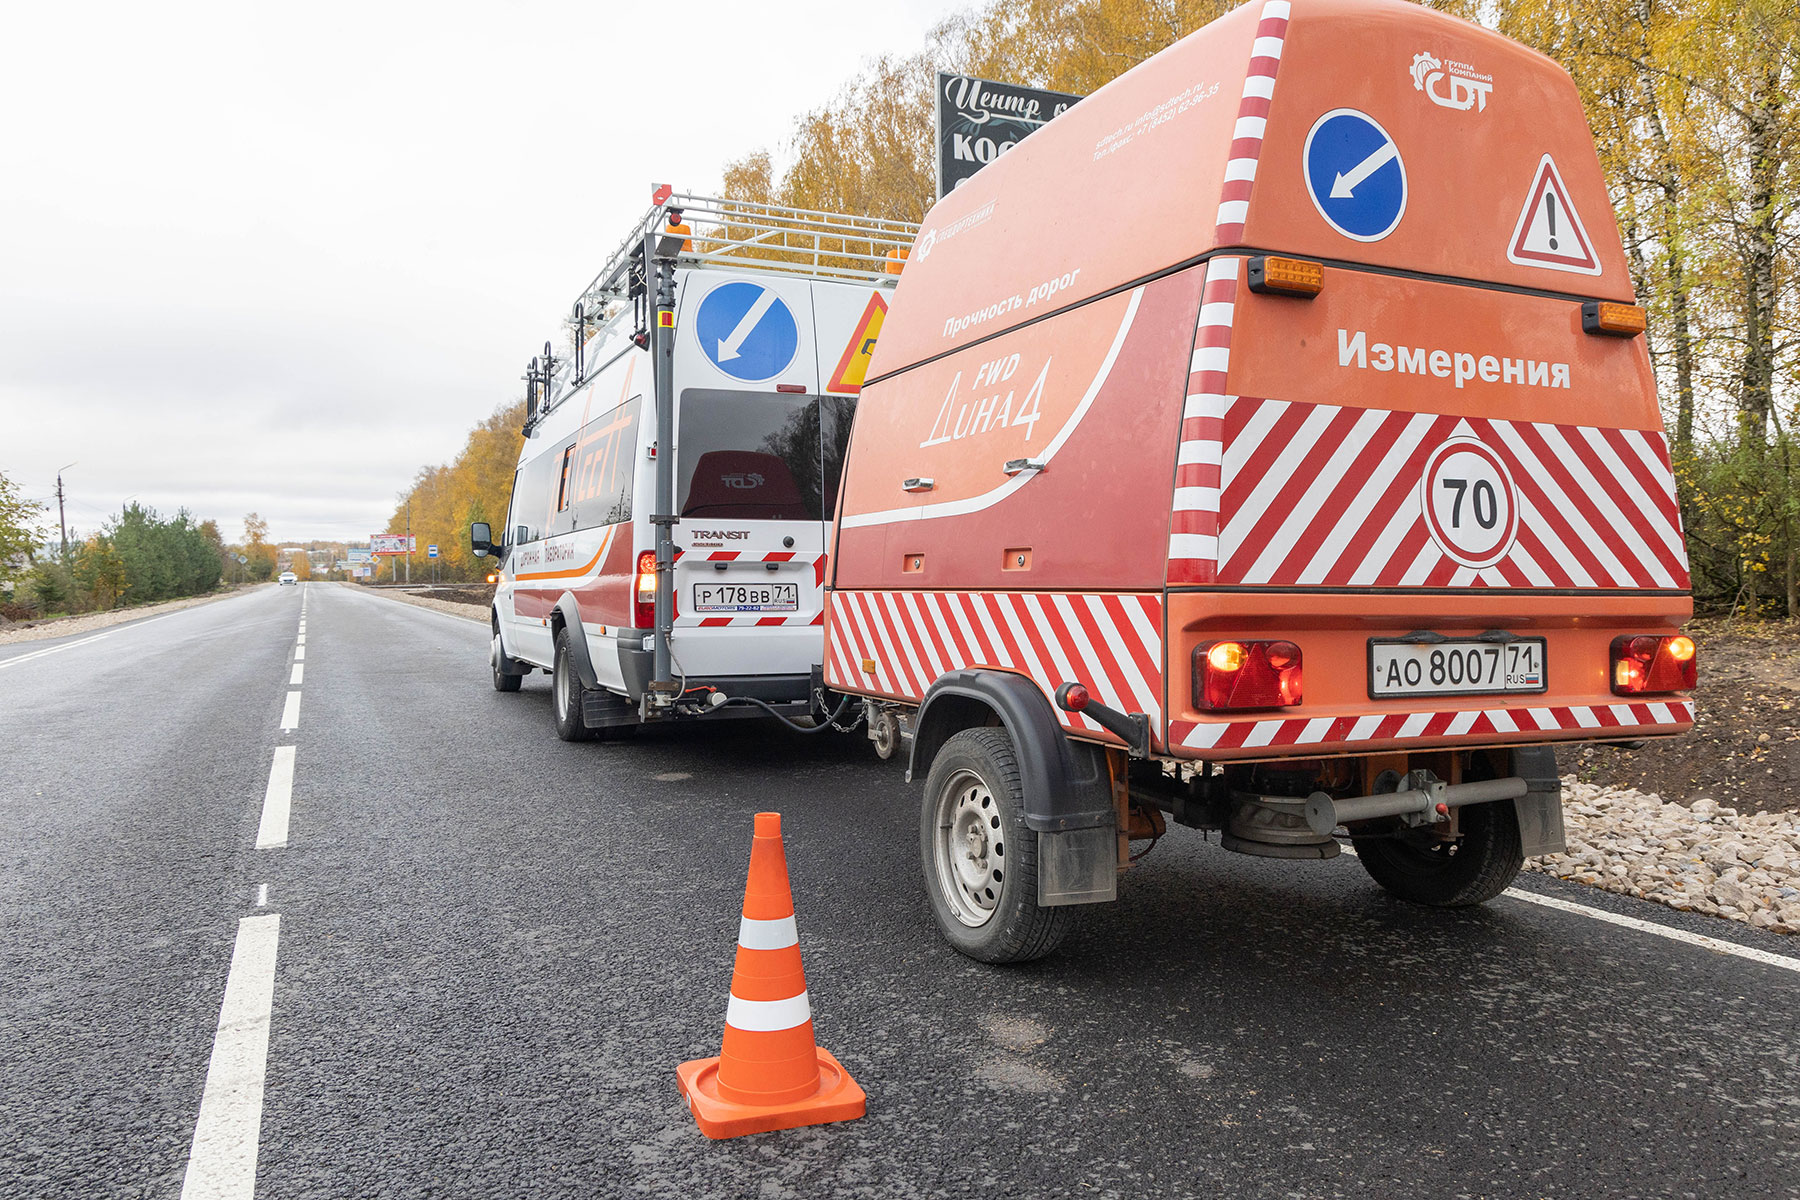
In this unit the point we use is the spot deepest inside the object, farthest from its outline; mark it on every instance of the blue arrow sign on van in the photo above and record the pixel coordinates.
(1355, 175)
(747, 331)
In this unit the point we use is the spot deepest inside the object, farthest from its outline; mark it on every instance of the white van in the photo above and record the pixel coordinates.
(652, 585)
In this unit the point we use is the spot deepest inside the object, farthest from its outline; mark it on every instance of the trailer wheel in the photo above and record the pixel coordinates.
(1474, 869)
(979, 859)
(504, 679)
(566, 693)
(884, 733)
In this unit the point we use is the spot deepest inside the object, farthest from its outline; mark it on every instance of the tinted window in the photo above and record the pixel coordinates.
(597, 480)
(534, 498)
(760, 456)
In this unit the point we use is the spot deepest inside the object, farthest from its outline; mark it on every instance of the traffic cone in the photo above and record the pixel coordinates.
(769, 1074)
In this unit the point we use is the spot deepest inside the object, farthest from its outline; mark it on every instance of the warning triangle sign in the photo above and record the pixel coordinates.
(1550, 233)
(853, 367)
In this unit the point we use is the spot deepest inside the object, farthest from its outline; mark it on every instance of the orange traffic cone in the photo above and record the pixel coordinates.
(769, 1074)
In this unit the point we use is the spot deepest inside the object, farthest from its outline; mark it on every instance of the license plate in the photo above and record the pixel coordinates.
(1455, 668)
(746, 597)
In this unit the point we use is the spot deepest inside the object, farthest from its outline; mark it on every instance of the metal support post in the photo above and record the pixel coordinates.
(662, 358)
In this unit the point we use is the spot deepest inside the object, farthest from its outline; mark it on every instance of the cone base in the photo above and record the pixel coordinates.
(838, 1099)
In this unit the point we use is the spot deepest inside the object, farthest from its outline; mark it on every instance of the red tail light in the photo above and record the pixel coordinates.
(643, 608)
(1647, 663)
(1246, 675)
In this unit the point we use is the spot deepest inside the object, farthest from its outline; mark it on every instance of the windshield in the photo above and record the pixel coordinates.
(760, 456)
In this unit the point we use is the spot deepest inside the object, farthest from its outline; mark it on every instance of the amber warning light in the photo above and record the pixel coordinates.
(1286, 276)
(1614, 320)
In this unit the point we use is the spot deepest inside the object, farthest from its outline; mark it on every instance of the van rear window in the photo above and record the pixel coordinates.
(760, 456)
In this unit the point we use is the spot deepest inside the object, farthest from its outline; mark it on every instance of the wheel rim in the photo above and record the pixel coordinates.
(563, 690)
(968, 849)
(494, 654)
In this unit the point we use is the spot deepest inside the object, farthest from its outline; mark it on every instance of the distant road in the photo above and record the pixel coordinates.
(468, 958)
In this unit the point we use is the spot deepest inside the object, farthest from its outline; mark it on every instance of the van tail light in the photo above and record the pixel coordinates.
(1645, 663)
(1230, 675)
(643, 608)
(1614, 320)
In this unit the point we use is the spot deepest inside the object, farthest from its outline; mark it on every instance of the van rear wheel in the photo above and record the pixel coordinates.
(979, 858)
(566, 692)
(1473, 869)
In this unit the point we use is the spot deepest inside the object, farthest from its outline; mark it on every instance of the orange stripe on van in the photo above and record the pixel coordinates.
(578, 571)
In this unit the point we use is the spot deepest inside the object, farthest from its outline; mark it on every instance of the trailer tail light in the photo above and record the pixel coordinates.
(1614, 320)
(1229, 675)
(1286, 276)
(643, 609)
(1647, 663)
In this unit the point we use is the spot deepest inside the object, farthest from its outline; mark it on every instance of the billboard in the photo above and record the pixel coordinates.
(360, 556)
(978, 120)
(391, 543)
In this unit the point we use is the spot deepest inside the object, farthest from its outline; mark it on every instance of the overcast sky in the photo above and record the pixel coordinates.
(277, 257)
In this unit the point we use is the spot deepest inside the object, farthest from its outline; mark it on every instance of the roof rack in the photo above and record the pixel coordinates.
(747, 235)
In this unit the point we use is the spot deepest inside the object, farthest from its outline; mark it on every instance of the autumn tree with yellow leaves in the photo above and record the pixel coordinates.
(445, 500)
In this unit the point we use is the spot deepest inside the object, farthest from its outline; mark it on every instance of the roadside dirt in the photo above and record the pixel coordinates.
(32, 631)
(1744, 751)
(481, 595)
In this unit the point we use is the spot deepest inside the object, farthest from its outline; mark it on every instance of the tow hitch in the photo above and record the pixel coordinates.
(1421, 799)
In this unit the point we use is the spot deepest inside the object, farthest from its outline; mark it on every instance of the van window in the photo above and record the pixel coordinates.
(533, 497)
(760, 455)
(602, 463)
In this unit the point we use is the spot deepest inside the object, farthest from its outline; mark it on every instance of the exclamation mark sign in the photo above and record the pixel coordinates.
(1550, 211)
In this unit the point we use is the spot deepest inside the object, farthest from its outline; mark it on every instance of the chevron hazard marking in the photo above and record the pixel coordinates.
(853, 367)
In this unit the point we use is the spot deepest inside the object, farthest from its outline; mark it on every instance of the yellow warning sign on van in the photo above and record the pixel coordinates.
(853, 367)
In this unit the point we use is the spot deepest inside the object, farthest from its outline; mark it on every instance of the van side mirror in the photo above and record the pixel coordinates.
(481, 539)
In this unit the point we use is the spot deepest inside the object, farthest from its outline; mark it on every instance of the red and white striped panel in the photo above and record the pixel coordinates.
(749, 619)
(1198, 739)
(1316, 494)
(1193, 533)
(1110, 641)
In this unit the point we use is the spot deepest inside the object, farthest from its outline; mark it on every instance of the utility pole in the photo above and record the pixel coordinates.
(61, 520)
(409, 541)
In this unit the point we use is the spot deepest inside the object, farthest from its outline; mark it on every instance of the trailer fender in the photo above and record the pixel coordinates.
(1065, 783)
(1540, 808)
(568, 613)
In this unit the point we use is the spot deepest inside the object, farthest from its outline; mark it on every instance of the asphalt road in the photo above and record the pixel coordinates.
(494, 948)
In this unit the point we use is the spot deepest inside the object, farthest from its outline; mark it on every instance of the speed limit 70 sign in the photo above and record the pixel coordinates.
(1470, 503)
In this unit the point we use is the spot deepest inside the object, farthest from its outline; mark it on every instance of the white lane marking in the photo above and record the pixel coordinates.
(262, 895)
(24, 658)
(301, 640)
(294, 679)
(299, 653)
(290, 712)
(1701, 940)
(277, 800)
(222, 1163)
(1675, 935)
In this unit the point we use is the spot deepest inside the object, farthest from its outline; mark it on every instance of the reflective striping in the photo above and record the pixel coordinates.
(778, 934)
(768, 1016)
(1670, 716)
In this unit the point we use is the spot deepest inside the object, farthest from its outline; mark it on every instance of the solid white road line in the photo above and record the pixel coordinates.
(299, 670)
(1651, 927)
(290, 712)
(1676, 935)
(272, 834)
(222, 1164)
(25, 658)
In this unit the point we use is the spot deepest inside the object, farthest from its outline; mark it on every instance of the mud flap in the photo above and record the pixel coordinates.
(1540, 808)
(1078, 866)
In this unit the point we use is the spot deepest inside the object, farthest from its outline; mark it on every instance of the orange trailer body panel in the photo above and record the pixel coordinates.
(1086, 447)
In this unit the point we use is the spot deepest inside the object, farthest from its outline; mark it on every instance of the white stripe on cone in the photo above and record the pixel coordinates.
(767, 1016)
(778, 934)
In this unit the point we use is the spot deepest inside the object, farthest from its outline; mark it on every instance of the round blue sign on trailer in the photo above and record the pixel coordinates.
(747, 331)
(1354, 175)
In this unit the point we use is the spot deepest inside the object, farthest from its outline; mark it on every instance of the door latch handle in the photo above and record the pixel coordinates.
(917, 485)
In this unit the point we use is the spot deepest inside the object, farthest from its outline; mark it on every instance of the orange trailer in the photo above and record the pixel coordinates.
(1268, 443)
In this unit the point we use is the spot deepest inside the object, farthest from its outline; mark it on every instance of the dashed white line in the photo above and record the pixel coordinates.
(299, 653)
(262, 895)
(278, 799)
(290, 712)
(299, 670)
(222, 1163)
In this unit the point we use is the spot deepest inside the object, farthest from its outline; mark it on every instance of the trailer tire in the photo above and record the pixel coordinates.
(505, 680)
(972, 820)
(1473, 870)
(566, 691)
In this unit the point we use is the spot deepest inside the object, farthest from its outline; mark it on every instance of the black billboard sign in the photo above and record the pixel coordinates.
(978, 120)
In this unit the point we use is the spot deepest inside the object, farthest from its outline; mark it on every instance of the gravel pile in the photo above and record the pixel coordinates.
(1700, 857)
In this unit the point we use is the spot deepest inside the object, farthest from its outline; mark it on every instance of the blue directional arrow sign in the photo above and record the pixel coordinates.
(1354, 175)
(747, 331)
